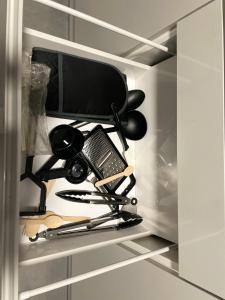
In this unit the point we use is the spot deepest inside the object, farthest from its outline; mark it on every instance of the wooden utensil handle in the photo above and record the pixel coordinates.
(51, 217)
(109, 179)
(74, 219)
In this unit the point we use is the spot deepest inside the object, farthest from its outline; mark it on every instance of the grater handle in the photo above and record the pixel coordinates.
(127, 172)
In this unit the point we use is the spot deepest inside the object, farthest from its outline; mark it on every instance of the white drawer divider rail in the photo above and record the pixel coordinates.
(101, 23)
(44, 289)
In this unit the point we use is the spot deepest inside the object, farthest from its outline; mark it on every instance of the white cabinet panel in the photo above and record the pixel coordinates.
(157, 173)
(140, 281)
(42, 274)
(46, 19)
(201, 214)
(10, 101)
(143, 17)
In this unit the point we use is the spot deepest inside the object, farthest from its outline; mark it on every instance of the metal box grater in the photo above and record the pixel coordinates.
(103, 157)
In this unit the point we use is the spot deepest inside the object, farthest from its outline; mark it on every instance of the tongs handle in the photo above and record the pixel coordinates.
(130, 219)
(121, 225)
(119, 127)
(112, 199)
(54, 232)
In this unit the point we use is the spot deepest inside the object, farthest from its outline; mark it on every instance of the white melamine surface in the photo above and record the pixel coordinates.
(46, 19)
(48, 250)
(10, 102)
(103, 24)
(142, 281)
(156, 154)
(143, 17)
(108, 268)
(201, 212)
(31, 277)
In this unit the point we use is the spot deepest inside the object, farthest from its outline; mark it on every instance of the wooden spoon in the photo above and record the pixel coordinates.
(127, 172)
(51, 218)
(30, 230)
(32, 224)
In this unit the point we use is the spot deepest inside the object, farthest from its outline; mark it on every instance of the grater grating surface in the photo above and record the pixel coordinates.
(103, 156)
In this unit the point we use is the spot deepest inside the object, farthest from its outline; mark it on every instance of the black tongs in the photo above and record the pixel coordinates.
(110, 199)
(90, 226)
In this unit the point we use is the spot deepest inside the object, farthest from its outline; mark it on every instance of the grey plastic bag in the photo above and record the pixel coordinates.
(34, 121)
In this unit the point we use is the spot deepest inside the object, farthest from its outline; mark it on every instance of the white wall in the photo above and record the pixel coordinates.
(144, 17)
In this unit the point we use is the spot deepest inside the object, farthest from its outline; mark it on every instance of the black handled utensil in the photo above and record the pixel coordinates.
(66, 141)
(135, 99)
(78, 196)
(134, 127)
(90, 226)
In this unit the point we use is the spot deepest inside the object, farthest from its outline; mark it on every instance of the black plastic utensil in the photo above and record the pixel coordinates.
(66, 141)
(91, 226)
(105, 160)
(79, 196)
(78, 170)
(136, 126)
(135, 99)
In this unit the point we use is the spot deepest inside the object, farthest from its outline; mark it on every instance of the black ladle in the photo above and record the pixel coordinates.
(134, 127)
(135, 99)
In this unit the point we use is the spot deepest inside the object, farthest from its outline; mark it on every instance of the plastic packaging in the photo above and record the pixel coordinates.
(26, 80)
(35, 139)
(38, 142)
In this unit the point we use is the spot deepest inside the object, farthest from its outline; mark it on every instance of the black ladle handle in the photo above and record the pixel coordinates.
(119, 128)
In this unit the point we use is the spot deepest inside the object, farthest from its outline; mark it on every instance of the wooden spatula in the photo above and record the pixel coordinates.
(50, 220)
(127, 172)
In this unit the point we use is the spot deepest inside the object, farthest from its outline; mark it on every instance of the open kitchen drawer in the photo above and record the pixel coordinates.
(154, 159)
(155, 153)
(178, 164)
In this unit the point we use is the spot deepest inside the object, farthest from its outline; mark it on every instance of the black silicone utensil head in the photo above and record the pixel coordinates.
(136, 126)
(135, 99)
(78, 170)
(130, 219)
(66, 141)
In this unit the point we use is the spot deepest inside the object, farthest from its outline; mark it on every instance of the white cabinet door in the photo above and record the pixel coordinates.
(201, 205)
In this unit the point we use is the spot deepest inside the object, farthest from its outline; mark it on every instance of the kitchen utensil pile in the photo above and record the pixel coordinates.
(85, 154)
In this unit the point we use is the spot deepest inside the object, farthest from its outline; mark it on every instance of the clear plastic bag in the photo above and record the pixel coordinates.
(38, 142)
(34, 121)
(26, 80)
